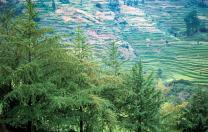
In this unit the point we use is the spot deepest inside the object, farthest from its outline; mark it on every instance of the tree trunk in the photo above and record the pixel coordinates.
(81, 123)
(30, 19)
(139, 129)
(29, 123)
(111, 129)
(3, 128)
(29, 126)
(89, 128)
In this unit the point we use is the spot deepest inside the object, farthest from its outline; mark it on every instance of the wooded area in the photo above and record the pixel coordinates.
(47, 84)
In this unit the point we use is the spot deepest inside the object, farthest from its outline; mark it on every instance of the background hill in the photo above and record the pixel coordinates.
(154, 30)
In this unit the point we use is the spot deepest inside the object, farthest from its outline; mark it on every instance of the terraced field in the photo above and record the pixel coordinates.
(181, 60)
(172, 13)
(153, 31)
(178, 60)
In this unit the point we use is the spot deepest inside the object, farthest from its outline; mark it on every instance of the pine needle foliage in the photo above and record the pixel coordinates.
(113, 87)
(88, 110)
(113, 59)
(30, 63)
(195, 116)
(81, 47)
(143, 102)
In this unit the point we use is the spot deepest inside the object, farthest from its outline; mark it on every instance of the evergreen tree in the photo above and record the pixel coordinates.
(112, 59)
(65, 1)
(112, 81)
(195, 116)
(29, 59)
(53, 5)
(192, 23)
(80, 46)
(89, 110)
(201, 3)
(143, 104)
(47, 86)
(6, 60)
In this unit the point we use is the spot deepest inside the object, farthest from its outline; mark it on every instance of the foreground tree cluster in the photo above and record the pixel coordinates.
(47, 85)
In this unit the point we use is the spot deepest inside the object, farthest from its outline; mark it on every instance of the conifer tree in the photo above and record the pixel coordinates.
(113, 88)
(53, 5)
(6, 63)
(192, 23)
(90, 110)
(143, 104)
(29, 59)
(80, 46)
(194, 117)
(112, 59)
(49, 87)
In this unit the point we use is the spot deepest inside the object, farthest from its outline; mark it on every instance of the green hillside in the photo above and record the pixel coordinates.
(154, 31)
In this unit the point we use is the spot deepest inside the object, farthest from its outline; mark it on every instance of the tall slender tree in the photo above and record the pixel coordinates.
(113, 59)
(29, 58)
(112, 87)
(90, 106)
(143, 104)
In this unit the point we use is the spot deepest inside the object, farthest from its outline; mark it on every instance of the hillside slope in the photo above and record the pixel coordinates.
(153, 31)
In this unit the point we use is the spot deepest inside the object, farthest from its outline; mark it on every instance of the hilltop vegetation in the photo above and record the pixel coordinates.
(103, 66)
